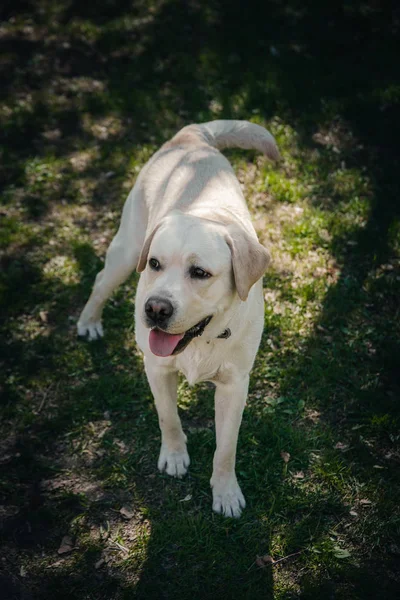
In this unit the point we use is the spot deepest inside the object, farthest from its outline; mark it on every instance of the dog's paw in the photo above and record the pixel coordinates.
(228, 499)
(174, 463)
(94, 330)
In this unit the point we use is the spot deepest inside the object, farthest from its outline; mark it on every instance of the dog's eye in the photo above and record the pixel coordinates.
(198, 273)
(154, 264)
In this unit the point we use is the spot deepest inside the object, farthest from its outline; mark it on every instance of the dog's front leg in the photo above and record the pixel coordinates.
(230, 399)
(174, 458)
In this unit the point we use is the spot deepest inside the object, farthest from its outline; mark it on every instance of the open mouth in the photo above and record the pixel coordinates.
(167, 344)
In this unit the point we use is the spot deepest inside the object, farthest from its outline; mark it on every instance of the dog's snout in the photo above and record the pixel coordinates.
(158, 310)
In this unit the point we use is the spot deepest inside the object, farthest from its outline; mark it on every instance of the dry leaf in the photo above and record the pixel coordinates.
(365, 502)
(121, 445)
(263, 561)
(67, 545)
(298, 475)
(186, 498)
(285, 456)
(313, 415)
(103, 432)
(58, 563)
(341, 446)
(126, 512)
(99, 563)
(23, 572)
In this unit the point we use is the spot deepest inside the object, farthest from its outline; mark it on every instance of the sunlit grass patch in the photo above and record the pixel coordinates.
(63, 268)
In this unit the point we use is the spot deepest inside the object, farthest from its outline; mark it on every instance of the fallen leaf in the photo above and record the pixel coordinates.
(102, 433)
(126, 512)
(186, 498)
(298, 475)
(341, 446)
(365, 502)
(285, 456)
(23, 572)
(313, 415)
(67, 545)
(43, 316)
(263, 561)
(56, 564)
(121, 445)
(99, 563)
(353, 513)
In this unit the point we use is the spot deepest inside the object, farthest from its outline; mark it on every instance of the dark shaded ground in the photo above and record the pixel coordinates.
(123, 75)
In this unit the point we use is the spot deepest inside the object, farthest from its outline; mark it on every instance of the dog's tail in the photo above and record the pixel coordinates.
(234, 134)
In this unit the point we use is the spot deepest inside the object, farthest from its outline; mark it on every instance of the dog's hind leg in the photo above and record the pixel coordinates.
(121, 259)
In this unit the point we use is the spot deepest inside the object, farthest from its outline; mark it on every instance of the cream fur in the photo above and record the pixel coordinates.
(187, 208)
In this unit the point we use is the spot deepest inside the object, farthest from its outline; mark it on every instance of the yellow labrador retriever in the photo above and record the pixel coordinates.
(199, 305)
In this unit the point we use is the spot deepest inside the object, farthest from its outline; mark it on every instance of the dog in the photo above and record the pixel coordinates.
(199, 305)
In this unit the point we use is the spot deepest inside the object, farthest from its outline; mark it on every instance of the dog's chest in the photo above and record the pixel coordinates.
(201, 360)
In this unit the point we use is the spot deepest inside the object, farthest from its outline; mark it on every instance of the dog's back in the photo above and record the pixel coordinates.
(188, 171)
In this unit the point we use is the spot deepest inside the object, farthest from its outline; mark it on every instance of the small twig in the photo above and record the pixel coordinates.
(44, 398)
(275, 562)
(251, 566)
(285, 557)
(42, 402)
(120, 546)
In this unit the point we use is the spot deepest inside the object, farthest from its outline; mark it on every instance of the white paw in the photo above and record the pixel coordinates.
(228, 499)
(94, 330)
(174, 463)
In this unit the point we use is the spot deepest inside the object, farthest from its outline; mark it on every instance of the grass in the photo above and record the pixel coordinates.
(88, 95)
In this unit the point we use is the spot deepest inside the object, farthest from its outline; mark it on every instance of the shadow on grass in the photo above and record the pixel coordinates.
(154, 67)
(349, 371)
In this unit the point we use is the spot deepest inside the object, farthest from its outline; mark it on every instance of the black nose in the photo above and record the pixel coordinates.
(158, 310)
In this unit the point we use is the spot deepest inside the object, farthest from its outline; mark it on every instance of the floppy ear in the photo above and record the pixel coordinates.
(249, 259)
(145, 250)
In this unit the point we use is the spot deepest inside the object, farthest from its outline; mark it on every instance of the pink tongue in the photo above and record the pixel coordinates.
(163, 344)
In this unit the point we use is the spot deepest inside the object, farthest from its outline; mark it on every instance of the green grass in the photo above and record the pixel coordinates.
(89, 93)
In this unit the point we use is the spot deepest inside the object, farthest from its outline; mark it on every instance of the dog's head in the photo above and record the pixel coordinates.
(193, 270)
